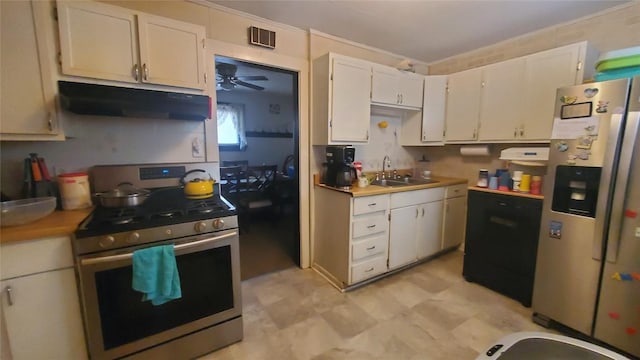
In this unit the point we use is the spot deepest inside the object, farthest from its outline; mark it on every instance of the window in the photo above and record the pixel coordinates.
(231, 134)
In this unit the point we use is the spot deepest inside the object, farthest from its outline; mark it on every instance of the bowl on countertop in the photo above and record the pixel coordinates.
(20, 212)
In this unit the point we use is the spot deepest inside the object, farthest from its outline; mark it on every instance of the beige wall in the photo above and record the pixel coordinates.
(609, 30)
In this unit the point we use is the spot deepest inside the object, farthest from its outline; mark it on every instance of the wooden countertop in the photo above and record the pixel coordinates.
(356, 191)
(62, 222)
(512, 193)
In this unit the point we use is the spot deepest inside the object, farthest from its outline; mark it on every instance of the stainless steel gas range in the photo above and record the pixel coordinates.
(204, 233)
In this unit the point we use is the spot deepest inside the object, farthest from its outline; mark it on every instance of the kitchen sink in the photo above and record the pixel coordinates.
(402, 182)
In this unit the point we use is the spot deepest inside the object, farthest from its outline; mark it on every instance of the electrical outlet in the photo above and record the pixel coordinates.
(638, 232)
(196, 148)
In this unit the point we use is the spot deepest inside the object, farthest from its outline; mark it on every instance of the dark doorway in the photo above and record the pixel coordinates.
(258, 130)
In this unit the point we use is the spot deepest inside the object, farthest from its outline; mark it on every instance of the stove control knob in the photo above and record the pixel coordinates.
(134, 237)
(201, 226)
(106, 241)
(218, 224)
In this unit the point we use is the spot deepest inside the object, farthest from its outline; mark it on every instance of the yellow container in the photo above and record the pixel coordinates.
(525, 183)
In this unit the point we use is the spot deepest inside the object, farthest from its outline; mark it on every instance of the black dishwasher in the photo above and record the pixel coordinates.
(501, 243)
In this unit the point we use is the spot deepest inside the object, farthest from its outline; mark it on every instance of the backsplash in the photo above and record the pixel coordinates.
(96, 140)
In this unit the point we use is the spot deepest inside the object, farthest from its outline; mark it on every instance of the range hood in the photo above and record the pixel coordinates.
(532, 156)
(93, 99)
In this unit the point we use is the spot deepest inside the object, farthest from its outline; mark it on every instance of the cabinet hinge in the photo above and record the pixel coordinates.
(205, 78)
(331, 77)
(55, 13)
(389, 216)
(330, 123)
(60, 58)
(203, 44)
(579, 67)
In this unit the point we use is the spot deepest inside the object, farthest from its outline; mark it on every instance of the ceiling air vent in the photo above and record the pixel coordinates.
(262, 37)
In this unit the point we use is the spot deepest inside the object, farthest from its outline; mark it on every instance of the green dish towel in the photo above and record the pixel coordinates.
(155, 274)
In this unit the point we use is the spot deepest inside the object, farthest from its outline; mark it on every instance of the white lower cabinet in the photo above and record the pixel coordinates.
(415, 228)
(358, 238)
(40, 305)
(402, 232)
(455, 216)
(429, 229)
(351, 236)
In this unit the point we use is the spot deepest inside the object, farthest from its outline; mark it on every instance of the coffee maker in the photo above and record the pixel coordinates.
(340, 171)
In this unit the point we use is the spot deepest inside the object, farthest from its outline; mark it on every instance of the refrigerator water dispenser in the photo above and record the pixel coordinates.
(576, 190)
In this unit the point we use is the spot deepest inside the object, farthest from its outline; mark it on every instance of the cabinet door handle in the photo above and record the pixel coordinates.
(515, 132)
(9, 297)
(401, 99)
(417, 212)
(371, 248)
(145, 71)
(369, 269)
(422, 212)
(474, 133)
(521, 131)
(136, 72)
(371, 226)
(373, 204)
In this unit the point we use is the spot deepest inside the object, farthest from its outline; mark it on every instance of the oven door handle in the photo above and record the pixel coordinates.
(103, 259)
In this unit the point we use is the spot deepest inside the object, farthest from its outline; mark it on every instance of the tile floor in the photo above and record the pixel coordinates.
(426, 312)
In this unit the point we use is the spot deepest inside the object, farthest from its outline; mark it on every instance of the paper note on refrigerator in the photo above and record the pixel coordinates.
(574, 128)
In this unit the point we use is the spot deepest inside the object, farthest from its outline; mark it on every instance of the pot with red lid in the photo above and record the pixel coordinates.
(74, 190)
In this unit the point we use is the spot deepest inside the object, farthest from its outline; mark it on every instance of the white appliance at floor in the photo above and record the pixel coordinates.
(588, 265)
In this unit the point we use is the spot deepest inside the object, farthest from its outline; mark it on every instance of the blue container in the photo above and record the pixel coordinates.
(618, 73)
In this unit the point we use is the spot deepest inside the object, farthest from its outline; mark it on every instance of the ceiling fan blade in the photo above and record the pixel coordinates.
(242, 83)
(252, 77)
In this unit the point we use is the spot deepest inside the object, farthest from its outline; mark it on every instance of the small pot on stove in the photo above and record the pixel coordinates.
(197, 188)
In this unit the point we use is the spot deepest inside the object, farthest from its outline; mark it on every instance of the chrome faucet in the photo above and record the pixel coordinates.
(385, 162)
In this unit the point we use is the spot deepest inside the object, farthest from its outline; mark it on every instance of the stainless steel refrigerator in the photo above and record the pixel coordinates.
(588, 266)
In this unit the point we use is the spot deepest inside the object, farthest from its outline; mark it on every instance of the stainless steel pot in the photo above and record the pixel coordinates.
(124, 195)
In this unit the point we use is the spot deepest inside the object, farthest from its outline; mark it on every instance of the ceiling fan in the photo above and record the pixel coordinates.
(227, 79)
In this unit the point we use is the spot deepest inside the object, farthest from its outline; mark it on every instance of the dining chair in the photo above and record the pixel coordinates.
(232, 183)
(257, 194)
(243, 163)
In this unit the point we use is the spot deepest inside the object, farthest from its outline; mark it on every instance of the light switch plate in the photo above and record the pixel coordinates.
(638, 232)
(196, 148)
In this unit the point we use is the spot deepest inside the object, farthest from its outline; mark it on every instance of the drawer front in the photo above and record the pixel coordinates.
(456, 190)
(369, 225)
(368, 269)
(415, 197)
(369, 247)
(28, 257)
(369, 204)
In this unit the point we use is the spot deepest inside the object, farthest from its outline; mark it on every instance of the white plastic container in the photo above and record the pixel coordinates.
(74, 191)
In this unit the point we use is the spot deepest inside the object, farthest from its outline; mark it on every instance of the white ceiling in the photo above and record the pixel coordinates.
(423, 30)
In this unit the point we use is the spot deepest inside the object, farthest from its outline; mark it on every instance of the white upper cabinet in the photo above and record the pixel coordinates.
(27, 93)
(545, 72)
(171, 52)
(513, 100)
(341, 103)
(112, 43)
(464, 92)
(390, 86)
(502, 100)
(427, 127)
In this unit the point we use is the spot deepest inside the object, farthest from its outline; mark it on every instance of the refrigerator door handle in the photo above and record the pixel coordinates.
(604, 195)
(624, 165)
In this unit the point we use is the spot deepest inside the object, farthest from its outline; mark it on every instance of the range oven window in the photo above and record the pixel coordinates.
(207, 289)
